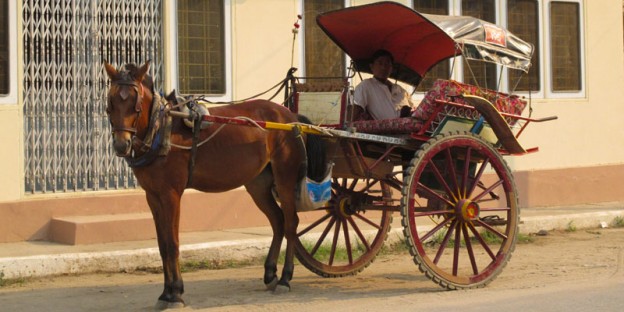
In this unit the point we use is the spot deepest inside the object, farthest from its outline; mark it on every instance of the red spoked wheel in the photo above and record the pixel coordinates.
(460, 211)
(346, 238)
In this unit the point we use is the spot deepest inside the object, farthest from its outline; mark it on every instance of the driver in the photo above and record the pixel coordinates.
(378, 96)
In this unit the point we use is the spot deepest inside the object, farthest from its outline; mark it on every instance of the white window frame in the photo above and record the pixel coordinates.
(547, 56)
(11, 97)
(172, 50)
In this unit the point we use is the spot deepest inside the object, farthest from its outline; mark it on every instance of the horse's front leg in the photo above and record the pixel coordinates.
(165, 209)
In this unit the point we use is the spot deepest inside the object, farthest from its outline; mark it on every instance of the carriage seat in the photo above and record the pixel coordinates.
(321, 101)
(448, 90)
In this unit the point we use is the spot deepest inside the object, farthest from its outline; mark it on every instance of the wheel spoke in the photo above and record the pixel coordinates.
(369, 184)
(447, 237)
(473, 262)
(347, 241)
(481, 241)
(354, 182)
(496, 209)
(322, 237)
(456, 248)
(435, 230)
(466, 171)
(440, 178)
(491, 229)
(488, 190)
(358, 232)
(433, 194)
(332, 253)
(371, 223)
(315, 224)
(477, 177)
(433, 213)
(450, 167)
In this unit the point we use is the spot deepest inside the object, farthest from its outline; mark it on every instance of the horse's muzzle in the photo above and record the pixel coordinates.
(122, 146)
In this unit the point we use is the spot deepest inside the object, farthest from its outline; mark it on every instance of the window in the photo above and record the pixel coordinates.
(475, 72)
(442, 69)
(523, 21)
(554, 27)
(4, 48)
(201, 47)
(323, 58)
(565, 46)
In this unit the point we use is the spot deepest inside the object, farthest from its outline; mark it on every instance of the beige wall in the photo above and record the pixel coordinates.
(589, 133)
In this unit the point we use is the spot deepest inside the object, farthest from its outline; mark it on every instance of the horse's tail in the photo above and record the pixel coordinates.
(315, 152)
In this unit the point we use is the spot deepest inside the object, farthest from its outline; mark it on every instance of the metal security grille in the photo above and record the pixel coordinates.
(67, 139)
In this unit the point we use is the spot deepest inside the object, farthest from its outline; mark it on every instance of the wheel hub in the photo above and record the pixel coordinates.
(467, 210)
(344, 207)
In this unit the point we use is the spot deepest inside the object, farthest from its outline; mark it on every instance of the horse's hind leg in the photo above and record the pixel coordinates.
(260, 191)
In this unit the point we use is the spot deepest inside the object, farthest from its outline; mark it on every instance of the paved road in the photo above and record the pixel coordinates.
(564, 271)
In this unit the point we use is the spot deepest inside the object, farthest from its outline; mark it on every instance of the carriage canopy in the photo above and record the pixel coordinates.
(420, 41)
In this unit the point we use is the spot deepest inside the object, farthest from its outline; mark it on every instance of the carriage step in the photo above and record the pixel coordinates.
(78, 230)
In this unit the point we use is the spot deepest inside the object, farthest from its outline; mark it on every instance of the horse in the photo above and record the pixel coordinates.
(258, 159)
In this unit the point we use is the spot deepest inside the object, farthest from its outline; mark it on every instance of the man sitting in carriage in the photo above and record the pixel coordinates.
(377, 97)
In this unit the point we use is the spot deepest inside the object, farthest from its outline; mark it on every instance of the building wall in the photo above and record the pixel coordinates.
(581, 157)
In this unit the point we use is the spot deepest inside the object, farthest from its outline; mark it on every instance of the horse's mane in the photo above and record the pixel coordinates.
(129, 73)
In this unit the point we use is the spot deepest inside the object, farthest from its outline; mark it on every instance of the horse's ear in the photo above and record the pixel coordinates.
(110, 70)
(142, 71)
(171, 97)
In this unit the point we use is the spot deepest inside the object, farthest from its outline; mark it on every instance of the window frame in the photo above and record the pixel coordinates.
(11, 97)
(547, 58)
(301, 41)
(172, 50)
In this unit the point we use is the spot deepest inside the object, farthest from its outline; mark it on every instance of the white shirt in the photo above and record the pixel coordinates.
(375, 97)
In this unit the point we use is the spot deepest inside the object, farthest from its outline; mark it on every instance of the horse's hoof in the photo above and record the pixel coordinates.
(271, 286)
(281, 289)
(166, 305)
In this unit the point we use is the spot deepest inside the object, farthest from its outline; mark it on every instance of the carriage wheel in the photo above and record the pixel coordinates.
(460, 211)
(346, 238)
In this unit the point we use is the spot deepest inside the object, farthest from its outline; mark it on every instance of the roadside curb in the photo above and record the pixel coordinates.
(233, 250)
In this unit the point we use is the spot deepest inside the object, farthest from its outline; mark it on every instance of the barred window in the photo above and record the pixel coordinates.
(201, 47)
(323, 58)
(481, 73)
(442, 69)
(565, 46)
(4, 47)
(523, 21)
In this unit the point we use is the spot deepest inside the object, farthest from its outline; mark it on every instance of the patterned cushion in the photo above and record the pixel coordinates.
(389, 126)
(451, 90)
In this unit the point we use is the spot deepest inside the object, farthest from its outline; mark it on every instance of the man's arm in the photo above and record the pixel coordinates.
(356, 112)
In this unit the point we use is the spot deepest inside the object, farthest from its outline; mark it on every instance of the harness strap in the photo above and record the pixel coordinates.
(196, 130)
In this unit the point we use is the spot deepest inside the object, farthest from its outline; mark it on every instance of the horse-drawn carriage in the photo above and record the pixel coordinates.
(457, 197)
(442, 168)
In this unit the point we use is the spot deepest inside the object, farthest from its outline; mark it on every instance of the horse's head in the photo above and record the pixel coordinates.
(125, 104)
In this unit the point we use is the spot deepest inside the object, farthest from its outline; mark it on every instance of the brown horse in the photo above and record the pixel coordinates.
(236, 156)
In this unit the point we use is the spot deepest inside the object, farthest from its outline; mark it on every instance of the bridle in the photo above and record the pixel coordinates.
(138, 108)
